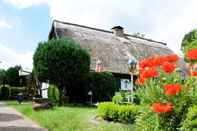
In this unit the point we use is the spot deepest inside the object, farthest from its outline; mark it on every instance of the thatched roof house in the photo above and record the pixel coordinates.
(113, 48)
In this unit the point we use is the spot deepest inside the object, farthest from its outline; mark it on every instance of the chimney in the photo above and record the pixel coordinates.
(118, 31)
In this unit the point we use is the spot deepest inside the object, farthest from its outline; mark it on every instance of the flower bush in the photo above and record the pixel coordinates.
(165, 93)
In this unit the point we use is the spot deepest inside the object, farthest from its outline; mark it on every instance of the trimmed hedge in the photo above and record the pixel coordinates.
(190, 123)
(121, 113)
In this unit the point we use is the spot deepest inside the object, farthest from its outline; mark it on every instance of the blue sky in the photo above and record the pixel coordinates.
(23, 23)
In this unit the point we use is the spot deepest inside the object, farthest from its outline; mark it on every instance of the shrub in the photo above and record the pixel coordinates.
(5, 92)
(117, 99)
(163, 89)
(103, 85)
(61, 61)
(14, 91)
(53, 93)
(121, 113)
(190, 123)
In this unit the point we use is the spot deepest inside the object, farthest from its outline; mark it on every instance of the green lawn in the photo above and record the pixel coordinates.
(69, 118)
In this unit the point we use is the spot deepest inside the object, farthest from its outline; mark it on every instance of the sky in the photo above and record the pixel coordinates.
(25, 23)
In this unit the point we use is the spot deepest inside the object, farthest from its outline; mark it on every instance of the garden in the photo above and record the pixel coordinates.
(165, 96)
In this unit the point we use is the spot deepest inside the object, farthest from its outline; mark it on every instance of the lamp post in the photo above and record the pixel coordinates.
(90, 94)
(132, 65)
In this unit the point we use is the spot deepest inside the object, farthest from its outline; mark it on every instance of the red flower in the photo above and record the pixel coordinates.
(140, 81)
(194, 73)
(172, 58)
(192, 54)
(168, 67)
(150, 62)
(144, 63)
(149, 72)
(172, 89)
(162, 108)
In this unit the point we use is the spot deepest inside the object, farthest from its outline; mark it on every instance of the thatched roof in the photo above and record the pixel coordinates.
(112, 50)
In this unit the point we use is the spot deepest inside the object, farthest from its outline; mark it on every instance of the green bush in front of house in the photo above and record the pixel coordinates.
(14, 91)
(5, 92)
(121, 113)
(53, 94)
(103, 85)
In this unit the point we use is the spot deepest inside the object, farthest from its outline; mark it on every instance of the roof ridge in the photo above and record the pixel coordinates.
(93, 28)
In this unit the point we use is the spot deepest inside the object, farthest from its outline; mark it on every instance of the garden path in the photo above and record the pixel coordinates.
(12, 120)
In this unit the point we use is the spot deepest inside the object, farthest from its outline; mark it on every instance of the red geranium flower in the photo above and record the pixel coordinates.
(162, 108)
(140, 81)
(172, 58)
(172, 89)
(149, 72)
(194, 73)
(143, 63)
(192, 54)
(168, 67)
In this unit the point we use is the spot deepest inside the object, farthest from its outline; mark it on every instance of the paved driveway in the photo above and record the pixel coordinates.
(11, 120)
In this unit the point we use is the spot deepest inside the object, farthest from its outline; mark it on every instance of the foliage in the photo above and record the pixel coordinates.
(2, 76)
(146, 121)
(69, 118)
(103, 85)
(189, 41)
(61, 61)
(190, 123)
(117, 99)
(12, 75)
(53, 93)
(165, 92)
(5, 92)
(14, 91)
(122, 113)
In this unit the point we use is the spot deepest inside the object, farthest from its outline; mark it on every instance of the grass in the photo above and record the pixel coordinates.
(69, 118)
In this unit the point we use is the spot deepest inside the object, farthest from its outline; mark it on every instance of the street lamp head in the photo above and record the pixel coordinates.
(132, 64)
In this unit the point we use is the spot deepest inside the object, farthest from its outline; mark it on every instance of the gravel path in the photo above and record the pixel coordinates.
(11, 120)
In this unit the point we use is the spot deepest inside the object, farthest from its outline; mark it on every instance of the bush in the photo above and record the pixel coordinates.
(117, 99)
(14, 91)
(121, 113)
(53, 94)
(103, 85)
(190, 123)
(5, 92)
(61, 61)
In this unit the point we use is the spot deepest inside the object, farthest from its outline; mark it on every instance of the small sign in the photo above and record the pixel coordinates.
(90, 93)
(125, 84)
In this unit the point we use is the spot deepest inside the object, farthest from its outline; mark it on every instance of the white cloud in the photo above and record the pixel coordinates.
(4, 24)
(173, 30)
(21, 4)
(96, 13)
(8, 58)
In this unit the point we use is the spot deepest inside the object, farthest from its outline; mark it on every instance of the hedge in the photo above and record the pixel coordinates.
(114, 112)
(103, 85)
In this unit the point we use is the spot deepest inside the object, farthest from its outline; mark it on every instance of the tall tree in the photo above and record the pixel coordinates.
(61, 61)
(12, 75)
